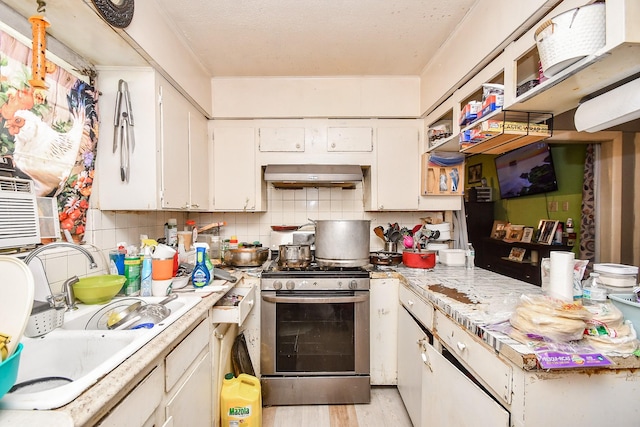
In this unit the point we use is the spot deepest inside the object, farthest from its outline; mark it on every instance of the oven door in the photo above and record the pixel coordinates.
(315, 333)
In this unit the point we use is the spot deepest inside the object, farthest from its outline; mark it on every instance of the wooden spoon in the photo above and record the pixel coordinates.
(379, 231)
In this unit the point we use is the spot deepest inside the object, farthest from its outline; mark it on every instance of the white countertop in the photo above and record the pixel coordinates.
(476, 298)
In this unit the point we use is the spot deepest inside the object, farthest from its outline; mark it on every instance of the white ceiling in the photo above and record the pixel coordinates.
(277, 37)
(315, 37)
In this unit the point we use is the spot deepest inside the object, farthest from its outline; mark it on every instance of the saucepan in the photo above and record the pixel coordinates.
(294, 256)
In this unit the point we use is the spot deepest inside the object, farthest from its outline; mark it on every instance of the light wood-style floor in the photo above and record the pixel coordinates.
(386, 409)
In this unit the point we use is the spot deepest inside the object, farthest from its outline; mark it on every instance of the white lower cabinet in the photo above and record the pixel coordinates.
(411, 339)
(140, 407)
(436, 388)
(383, 325)
(192, 403)
(450, 398)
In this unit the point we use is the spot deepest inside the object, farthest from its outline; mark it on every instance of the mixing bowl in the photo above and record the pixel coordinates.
(9, 371)
(98, 289)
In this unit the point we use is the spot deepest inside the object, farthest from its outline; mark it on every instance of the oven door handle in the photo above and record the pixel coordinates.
(316, 300)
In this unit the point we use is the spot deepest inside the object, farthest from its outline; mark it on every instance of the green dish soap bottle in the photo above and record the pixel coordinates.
(200, 275)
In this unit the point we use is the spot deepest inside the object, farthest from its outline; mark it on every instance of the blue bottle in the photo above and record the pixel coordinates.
(145, 281)
(200, 275)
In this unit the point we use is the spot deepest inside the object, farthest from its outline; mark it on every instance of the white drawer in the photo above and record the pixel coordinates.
(234, 313)
(482, 361)
(178, 361)
(421, 310)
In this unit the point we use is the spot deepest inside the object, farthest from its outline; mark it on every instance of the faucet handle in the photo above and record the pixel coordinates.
(67, 291)
(56, 300)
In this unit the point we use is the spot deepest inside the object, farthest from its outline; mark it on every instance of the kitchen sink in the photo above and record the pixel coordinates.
(57, 367)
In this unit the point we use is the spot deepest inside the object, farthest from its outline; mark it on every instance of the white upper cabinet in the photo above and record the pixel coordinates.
(281, 139)
(343, 138)
(394, 179)
(170, 145)
(237, 179)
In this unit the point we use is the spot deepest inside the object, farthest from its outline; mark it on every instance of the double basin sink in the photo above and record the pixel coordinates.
(57, 367)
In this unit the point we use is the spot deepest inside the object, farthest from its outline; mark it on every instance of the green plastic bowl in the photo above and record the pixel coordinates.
(98, 289)
(9, 371)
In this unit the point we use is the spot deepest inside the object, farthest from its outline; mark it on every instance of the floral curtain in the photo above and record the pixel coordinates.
(50, 135)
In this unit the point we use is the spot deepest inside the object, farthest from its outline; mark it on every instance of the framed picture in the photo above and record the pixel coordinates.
(474, 173)
(527, 235)
(517, 254)
(547, 231)
(514, 233)
(499, 230)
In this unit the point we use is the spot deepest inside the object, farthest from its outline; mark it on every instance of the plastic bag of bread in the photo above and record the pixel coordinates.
(544, 318)
(607, 320)
(554, 307)
(624, 343)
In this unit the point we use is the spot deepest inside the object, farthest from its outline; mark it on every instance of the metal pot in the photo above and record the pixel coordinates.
(342, 243)
(246, 257)
(294, 256)
(421, 259)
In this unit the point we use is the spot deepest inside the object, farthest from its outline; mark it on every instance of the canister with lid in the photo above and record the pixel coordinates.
(617, 278)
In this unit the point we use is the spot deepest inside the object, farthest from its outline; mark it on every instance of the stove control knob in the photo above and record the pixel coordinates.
(277, 285)
(291, 285)
(353, 284)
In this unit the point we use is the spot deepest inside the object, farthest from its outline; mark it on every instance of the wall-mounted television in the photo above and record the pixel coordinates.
(526, 170)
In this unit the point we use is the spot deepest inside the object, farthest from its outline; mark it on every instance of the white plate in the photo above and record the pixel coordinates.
(16, 298)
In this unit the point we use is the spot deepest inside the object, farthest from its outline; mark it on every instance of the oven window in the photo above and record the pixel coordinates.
(315, 337)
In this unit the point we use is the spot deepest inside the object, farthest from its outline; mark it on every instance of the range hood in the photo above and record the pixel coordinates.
(299, 176)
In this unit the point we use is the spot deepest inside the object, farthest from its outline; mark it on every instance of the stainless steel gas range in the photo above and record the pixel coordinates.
(315, 335)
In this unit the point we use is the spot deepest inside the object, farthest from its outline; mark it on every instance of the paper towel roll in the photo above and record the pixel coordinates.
(561, 275)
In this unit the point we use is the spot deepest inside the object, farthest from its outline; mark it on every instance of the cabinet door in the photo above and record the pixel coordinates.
(384, 328)
(350, 139)
(281, 139)
(139, 407)
(410, 346)
(175, 149)
(234, 171)
(450, 398)
(141, 191)
(398, 168)
(192, 404)
(199, 168)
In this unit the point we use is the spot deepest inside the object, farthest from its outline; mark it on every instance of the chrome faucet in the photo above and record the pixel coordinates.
(67, 289)
(34, 253)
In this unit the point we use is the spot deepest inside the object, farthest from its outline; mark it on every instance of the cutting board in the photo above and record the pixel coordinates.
(16, 299)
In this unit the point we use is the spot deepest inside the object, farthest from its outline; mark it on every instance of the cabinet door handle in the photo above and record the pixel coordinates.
(410, 303)
(425, 360)
(461, 346)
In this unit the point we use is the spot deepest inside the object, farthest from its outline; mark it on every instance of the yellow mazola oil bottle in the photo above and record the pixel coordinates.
(241, 401)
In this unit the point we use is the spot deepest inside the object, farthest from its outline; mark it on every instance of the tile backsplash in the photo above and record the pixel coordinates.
(105, 229)
(285, 207)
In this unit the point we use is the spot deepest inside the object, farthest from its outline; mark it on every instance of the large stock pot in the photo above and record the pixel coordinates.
(342, 243)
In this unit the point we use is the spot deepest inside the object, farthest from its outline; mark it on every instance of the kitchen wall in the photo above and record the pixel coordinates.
(285, 207)
(529, 210)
